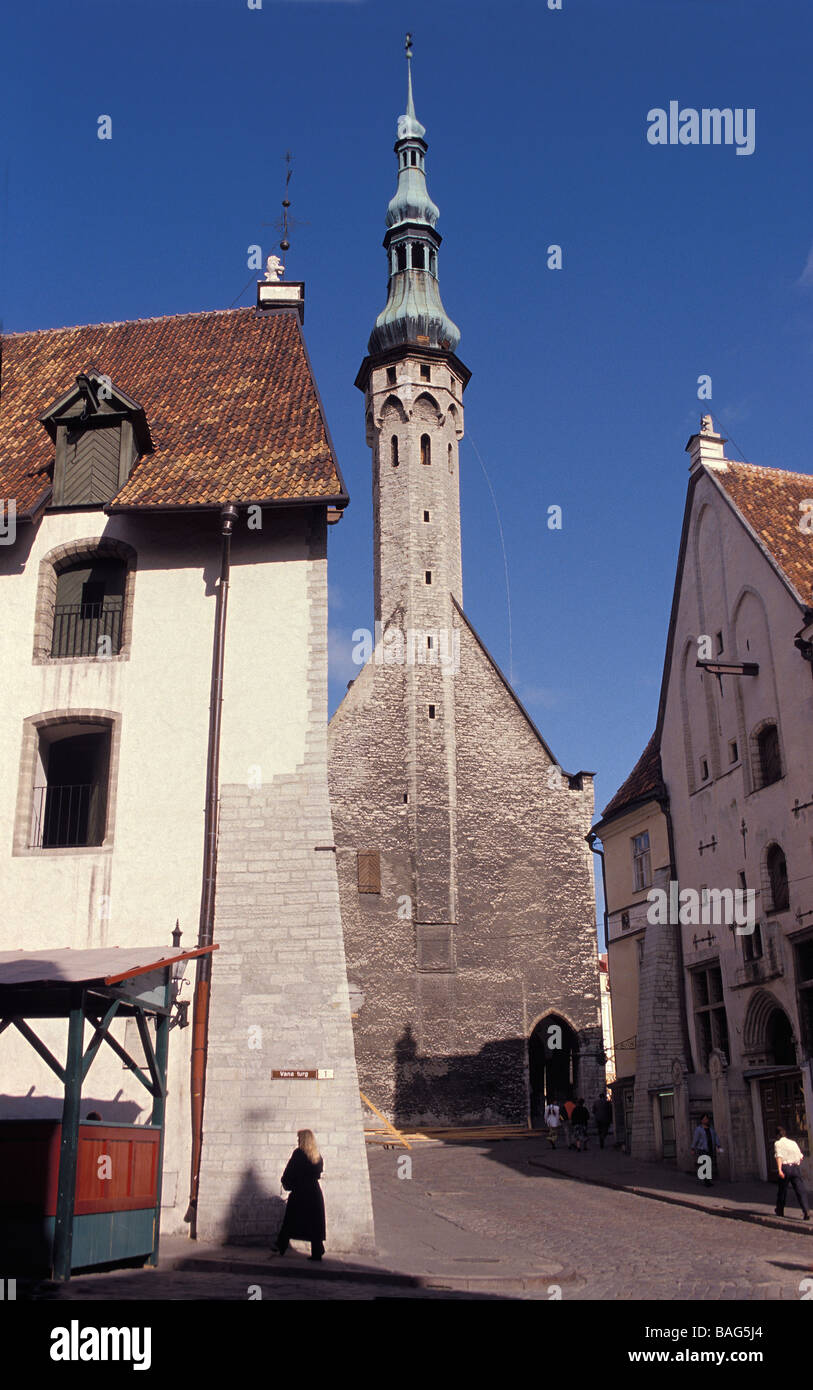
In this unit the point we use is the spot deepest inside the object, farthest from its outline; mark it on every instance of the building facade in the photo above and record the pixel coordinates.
(465, 880)
(154, 467)
(737, 768)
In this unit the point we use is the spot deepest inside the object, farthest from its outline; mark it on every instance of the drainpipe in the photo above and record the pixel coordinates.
(591, 839)
(200, 1016)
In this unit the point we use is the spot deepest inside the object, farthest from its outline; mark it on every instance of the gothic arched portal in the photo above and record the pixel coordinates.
(553, 1063)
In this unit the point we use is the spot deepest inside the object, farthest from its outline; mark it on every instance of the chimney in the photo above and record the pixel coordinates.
(706, 447)
(275, 293)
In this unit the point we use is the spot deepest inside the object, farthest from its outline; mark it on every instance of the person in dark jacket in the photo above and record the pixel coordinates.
(580, 1119)
(305, 1212)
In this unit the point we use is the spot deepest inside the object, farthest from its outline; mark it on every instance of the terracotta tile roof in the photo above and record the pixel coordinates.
(229, 397)
(646, 779)
(768, 499)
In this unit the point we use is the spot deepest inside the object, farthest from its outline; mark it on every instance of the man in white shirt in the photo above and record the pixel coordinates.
(789, 1158)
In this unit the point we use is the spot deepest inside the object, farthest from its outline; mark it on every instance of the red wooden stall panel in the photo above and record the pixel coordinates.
(117, 1166)
(118, 1169)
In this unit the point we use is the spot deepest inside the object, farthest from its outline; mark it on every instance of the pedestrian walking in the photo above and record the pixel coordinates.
(552, 1118)
(305, 1211)
(789, 1158)
(603, 1112)
(580, 1119)
(705, 1147)
(568, 1107)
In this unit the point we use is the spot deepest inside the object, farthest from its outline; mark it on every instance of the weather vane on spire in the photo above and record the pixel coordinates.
(274, 266)
(408, 47)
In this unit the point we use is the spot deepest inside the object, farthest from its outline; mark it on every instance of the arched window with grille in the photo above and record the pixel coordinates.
(426, 449)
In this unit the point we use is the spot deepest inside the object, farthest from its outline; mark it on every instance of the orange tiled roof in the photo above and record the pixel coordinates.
(229, 397)
(645, 779)
(768, 499)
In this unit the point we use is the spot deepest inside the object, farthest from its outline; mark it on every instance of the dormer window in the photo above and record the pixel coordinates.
(99, 433)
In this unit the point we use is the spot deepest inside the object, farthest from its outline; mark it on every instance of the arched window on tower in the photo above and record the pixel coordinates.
(770, 763)
(394, 451)
(777, 867)
(414, 154)
(418, 261)
(401, 257)
(433, 262)
(449, 455)
(426, 449)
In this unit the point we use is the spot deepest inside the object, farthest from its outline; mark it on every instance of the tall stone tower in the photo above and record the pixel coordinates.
(413, 387)
(464, 877)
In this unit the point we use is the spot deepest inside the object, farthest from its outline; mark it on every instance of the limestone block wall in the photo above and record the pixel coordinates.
(449, 1044)
(279, 991)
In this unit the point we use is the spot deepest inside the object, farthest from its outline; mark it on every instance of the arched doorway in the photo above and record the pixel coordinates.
(779, 1036)
(553, 1064)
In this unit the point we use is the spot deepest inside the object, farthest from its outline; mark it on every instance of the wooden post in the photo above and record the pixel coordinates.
(159, 1109)
(69, 1142)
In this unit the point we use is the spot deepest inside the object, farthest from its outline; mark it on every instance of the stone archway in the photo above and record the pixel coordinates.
(553, 1063)
(768, 1039)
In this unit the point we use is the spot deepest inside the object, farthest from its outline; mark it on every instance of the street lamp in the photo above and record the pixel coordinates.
(178, 970)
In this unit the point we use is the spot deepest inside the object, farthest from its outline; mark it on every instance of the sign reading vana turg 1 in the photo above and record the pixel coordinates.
(302, 1074)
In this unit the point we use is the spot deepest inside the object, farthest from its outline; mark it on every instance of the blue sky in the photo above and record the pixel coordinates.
(678, 261)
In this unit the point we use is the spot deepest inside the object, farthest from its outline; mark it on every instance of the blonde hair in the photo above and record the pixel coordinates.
(307, 1143)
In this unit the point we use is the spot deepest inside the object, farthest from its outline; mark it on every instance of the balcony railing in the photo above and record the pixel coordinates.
(61, 816)
(78, 627)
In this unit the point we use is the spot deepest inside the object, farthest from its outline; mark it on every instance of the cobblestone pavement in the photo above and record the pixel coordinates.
(485, 1223)
(609, 1244)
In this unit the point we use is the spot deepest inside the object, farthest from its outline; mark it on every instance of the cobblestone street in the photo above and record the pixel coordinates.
(480, 1222)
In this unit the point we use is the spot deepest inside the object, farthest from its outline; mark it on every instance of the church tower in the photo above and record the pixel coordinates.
(413, 389)
(464, 876)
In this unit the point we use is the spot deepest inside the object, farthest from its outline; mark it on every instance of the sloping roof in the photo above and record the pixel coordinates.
(229, 396)
(768, 500)
(646, 779)
(66, 966)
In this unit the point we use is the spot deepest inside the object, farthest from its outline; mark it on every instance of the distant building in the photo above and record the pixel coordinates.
(154, 465)
(465, 880)
(725, 1006)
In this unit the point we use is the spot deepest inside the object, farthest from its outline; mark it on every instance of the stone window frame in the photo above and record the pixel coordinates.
(641, 862)
(32, 727)
(767, 881)
(51, 565)
(757, 779)
(717, 1036)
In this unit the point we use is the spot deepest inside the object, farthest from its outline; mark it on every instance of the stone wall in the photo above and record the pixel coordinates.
(279, 994)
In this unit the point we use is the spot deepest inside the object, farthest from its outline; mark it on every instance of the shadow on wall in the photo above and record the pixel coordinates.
(255, 1215)
(487, 1087)
(31, 1107)
(493, 1086)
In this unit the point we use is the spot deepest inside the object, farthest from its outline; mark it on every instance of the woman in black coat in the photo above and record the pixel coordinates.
(305, 1213)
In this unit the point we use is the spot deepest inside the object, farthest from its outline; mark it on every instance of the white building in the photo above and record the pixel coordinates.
(154, 467)
(735, 734)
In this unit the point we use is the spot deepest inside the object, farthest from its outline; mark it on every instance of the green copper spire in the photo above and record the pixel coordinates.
(413, 313)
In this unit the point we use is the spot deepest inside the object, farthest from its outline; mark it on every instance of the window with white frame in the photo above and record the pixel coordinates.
(641, 870)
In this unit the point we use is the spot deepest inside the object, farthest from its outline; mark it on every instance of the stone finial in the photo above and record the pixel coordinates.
(274, 269)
